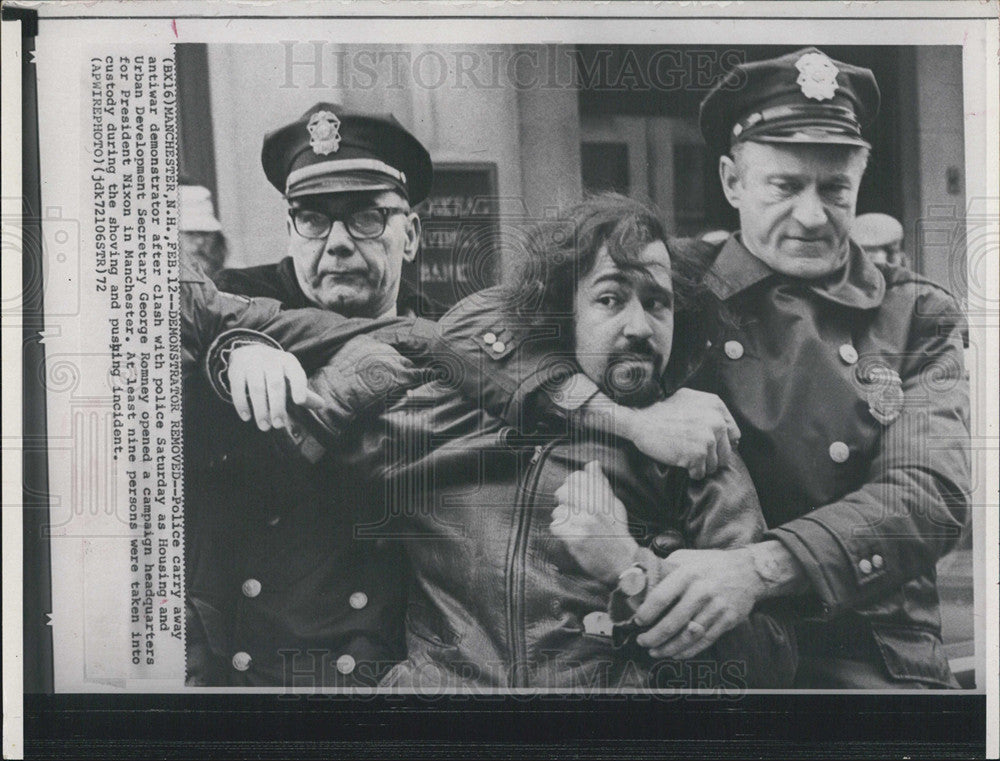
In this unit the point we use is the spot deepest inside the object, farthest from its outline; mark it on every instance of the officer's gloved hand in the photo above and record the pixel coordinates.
(364, 375)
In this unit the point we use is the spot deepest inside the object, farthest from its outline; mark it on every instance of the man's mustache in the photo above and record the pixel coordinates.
(637, 350)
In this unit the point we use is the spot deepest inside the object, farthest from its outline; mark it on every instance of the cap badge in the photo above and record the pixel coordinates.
(324, 132)
(817, 76)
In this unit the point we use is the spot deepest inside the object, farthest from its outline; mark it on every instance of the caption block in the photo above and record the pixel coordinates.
(133, 180)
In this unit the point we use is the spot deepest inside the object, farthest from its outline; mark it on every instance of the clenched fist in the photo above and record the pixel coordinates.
(593, 523)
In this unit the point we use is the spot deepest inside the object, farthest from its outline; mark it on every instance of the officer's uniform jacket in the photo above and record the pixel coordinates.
(853, 402)
(497, 601)
(279, 589)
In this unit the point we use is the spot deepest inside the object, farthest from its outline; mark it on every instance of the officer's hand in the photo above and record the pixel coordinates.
(691, 430)
(261, 379)
(705, 594)
(364, 373)
(593, 523)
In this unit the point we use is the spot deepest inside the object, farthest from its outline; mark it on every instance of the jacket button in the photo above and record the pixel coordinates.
(878, 561)
(251, 587)
(490, 338)
(499, 347)
(666, 542)
(241, 661)
(733, 349)
(358, 600)
(839, 451)
(849, 354)
(865, 566)
(345, 664)
(506, 438)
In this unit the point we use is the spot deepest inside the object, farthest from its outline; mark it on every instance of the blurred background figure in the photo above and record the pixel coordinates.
(201, 240)
(715, 237)
(881, 236)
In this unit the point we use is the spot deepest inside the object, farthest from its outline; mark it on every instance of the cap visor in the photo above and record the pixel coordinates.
(343, 184)
(812, 138)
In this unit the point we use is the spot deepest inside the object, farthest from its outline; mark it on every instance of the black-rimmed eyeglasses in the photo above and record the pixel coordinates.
(361, 224)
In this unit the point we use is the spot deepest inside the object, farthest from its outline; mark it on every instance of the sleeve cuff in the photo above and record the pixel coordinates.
(828, 589)
(217, 356)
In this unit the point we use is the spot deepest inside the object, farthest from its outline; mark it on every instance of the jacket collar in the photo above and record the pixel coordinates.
(735, 269)
(858, 284)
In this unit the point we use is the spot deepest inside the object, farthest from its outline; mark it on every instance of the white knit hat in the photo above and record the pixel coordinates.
(874, 230)
(196, 213)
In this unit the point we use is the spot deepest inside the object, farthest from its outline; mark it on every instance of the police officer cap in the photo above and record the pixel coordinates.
(332, 150)
(802, 97)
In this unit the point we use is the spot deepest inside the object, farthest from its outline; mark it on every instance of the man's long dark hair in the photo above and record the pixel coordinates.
(541, 288)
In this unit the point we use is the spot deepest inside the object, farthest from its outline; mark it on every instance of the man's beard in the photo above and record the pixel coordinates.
(632, 376)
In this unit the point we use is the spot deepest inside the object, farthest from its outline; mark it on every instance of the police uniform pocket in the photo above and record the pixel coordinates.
(914, 655)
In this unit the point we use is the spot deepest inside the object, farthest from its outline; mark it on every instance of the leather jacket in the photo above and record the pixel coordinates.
(497, 601)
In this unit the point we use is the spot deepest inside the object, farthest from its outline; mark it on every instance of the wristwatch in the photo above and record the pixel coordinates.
(633, 580)
(633, 583)
(629, 594)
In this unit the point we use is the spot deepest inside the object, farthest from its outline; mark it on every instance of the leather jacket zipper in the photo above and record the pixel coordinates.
(516, 566)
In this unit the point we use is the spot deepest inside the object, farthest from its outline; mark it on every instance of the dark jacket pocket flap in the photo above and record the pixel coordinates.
(912, 654)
